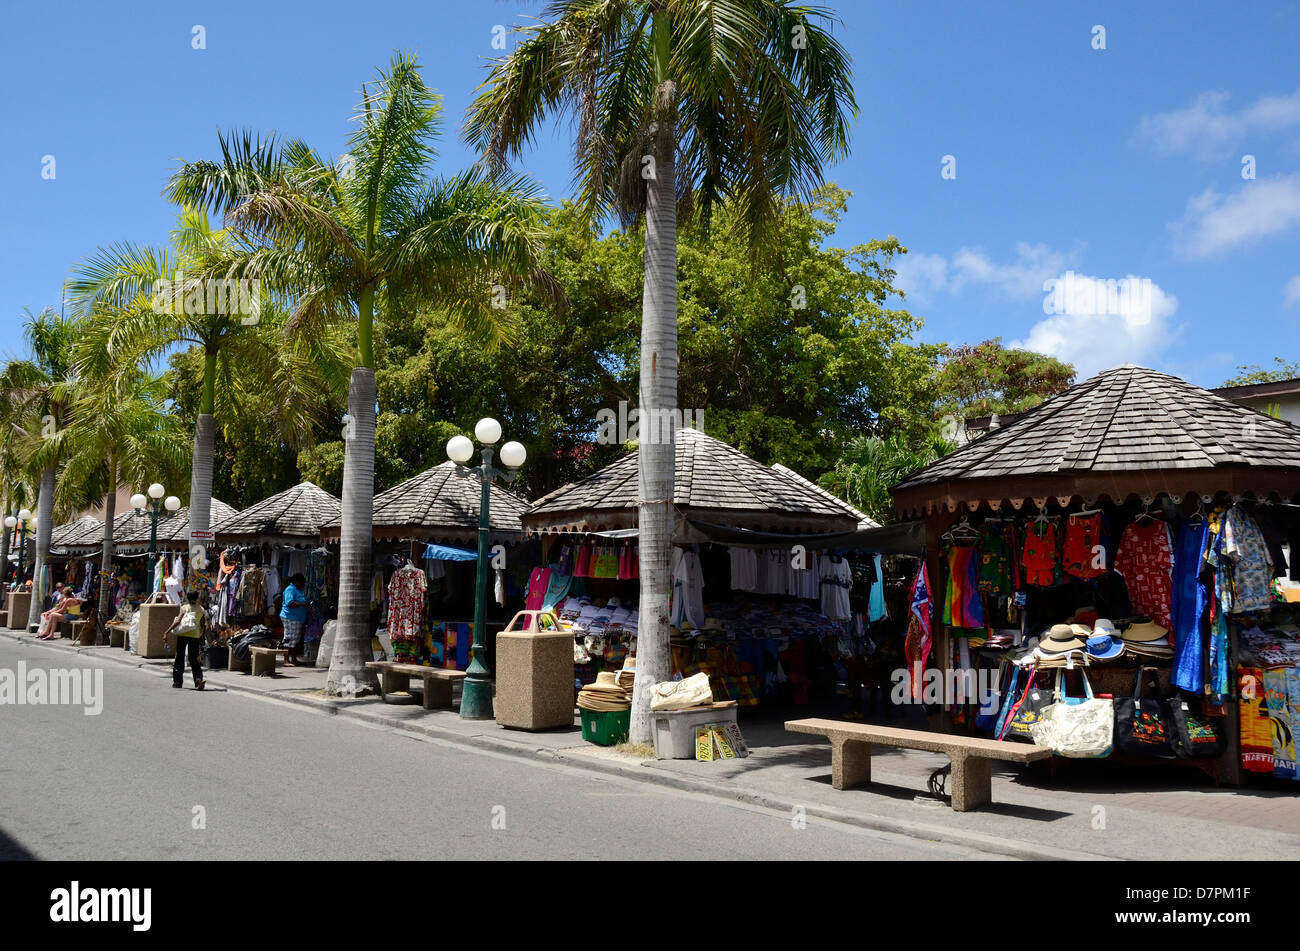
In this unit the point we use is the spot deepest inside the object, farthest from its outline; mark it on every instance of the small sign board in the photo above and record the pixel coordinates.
(201, 536)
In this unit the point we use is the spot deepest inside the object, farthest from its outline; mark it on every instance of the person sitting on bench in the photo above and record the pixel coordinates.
(68, 607)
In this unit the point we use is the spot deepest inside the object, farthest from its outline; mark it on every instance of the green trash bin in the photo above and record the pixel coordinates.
(606, 729)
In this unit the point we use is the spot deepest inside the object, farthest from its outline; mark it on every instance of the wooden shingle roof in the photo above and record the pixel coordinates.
(438, 503)
(712, 481)
(1127, 419)
(131, 531)
(299, 512)
(71, 533)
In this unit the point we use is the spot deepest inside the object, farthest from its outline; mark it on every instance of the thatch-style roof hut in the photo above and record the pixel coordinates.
(292, 517)
(439, 504)
(713, 483)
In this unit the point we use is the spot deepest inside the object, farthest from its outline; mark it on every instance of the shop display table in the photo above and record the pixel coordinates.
(396, 677)
(972, 757)
(264, 660)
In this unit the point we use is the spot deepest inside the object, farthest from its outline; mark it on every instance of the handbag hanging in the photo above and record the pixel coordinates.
(1143, 726)
(1078, 727)
(1197, 735)
(1028, 711)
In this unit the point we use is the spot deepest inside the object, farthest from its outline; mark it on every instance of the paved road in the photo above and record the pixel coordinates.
(265, 780)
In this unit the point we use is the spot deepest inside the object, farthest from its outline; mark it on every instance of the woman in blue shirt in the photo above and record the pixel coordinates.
(293, 613)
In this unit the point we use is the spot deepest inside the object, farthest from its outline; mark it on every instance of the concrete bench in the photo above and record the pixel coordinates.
(117, 633)
(972, 757)
(264, 660)
(395, 677)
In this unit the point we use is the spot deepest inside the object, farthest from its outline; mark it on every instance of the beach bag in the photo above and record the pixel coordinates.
(1027, 711)
(606, 562)
(989, 721)
(1009, 698)
(1143, 726)
(694, 691)
(189, 621)
(1078, 727)
(1197, 736)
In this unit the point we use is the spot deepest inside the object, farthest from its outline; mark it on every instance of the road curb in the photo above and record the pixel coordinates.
(637, 773)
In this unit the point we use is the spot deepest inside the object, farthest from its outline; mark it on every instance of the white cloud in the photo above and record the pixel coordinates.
(1291, 294)
(1206, 128)
(1214, 222)
(924, 275)
(1097, 323)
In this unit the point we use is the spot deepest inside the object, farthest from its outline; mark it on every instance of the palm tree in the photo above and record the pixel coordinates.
(15, 488)
(121, 434)
(692, 101)
(372, 234)
(38, 395)
(871, 465)
(140, 310)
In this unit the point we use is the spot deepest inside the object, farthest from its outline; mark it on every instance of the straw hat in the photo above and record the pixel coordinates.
(1146, 631)
(1081, 630)
(1061, 639)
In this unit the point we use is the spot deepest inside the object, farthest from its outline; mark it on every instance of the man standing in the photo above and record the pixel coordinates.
(293, 614)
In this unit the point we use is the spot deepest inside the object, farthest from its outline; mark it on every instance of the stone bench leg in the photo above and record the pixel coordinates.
(972, 783)
(392, 681)
(116, 637)
(850, 763)
(437, 693)
(264, 664)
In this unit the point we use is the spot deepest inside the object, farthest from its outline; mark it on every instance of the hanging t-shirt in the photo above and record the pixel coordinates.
(744, 569)
(688, 590)
(836, 579)
(1146, 563)
(537, 584)
(876, 609)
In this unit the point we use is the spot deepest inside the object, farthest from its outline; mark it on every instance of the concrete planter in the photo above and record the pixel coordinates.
(534, 677)
(154, 619)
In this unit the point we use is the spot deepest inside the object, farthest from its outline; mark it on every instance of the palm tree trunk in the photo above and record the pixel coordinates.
(201, 461)
(348, 675)
(658, 392)
(4, 553)
(44, 518)
(106, 556)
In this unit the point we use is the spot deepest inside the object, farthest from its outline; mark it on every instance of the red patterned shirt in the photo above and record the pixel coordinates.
(1146, 563)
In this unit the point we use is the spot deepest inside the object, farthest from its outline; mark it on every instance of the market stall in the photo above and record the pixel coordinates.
(425, 533)
(777, 591)
(261, 548)
(1133, 521)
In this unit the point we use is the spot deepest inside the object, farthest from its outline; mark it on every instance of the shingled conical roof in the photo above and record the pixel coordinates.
(70, 533)
(712, 481)
(1124, 419)
(131, 531)
(439, 504)
(296, 514)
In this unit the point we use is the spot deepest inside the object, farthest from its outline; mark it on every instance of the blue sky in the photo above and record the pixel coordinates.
(1109, 164)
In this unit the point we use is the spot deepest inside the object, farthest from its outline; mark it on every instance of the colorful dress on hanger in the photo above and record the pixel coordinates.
(962, 606)
(537, 584)
(1039, 560)
(1146, 563)
(1084, 556)
(1246, 551)
(995, 561)
(405, 603)
(1190, 600)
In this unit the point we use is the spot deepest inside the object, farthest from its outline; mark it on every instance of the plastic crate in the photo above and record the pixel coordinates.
(606, 729)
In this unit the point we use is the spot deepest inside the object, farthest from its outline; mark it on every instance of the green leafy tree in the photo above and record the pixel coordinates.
(699, 100)
(871, 465)
(371, 234)
(1254, 373)
(39, 392)
(985, 378)
(121, 434)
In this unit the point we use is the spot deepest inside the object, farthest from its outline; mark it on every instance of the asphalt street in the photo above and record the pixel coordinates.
(181, 774)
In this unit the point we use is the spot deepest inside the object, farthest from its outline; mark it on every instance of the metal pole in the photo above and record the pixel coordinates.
(22, 552)
(476, 698)
(153, 547)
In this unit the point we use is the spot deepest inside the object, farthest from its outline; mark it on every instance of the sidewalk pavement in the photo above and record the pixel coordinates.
(1094, 811)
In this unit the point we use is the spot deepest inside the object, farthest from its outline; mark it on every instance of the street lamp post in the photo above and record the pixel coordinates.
(154, 504)
(24, 516)
(476, 697)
